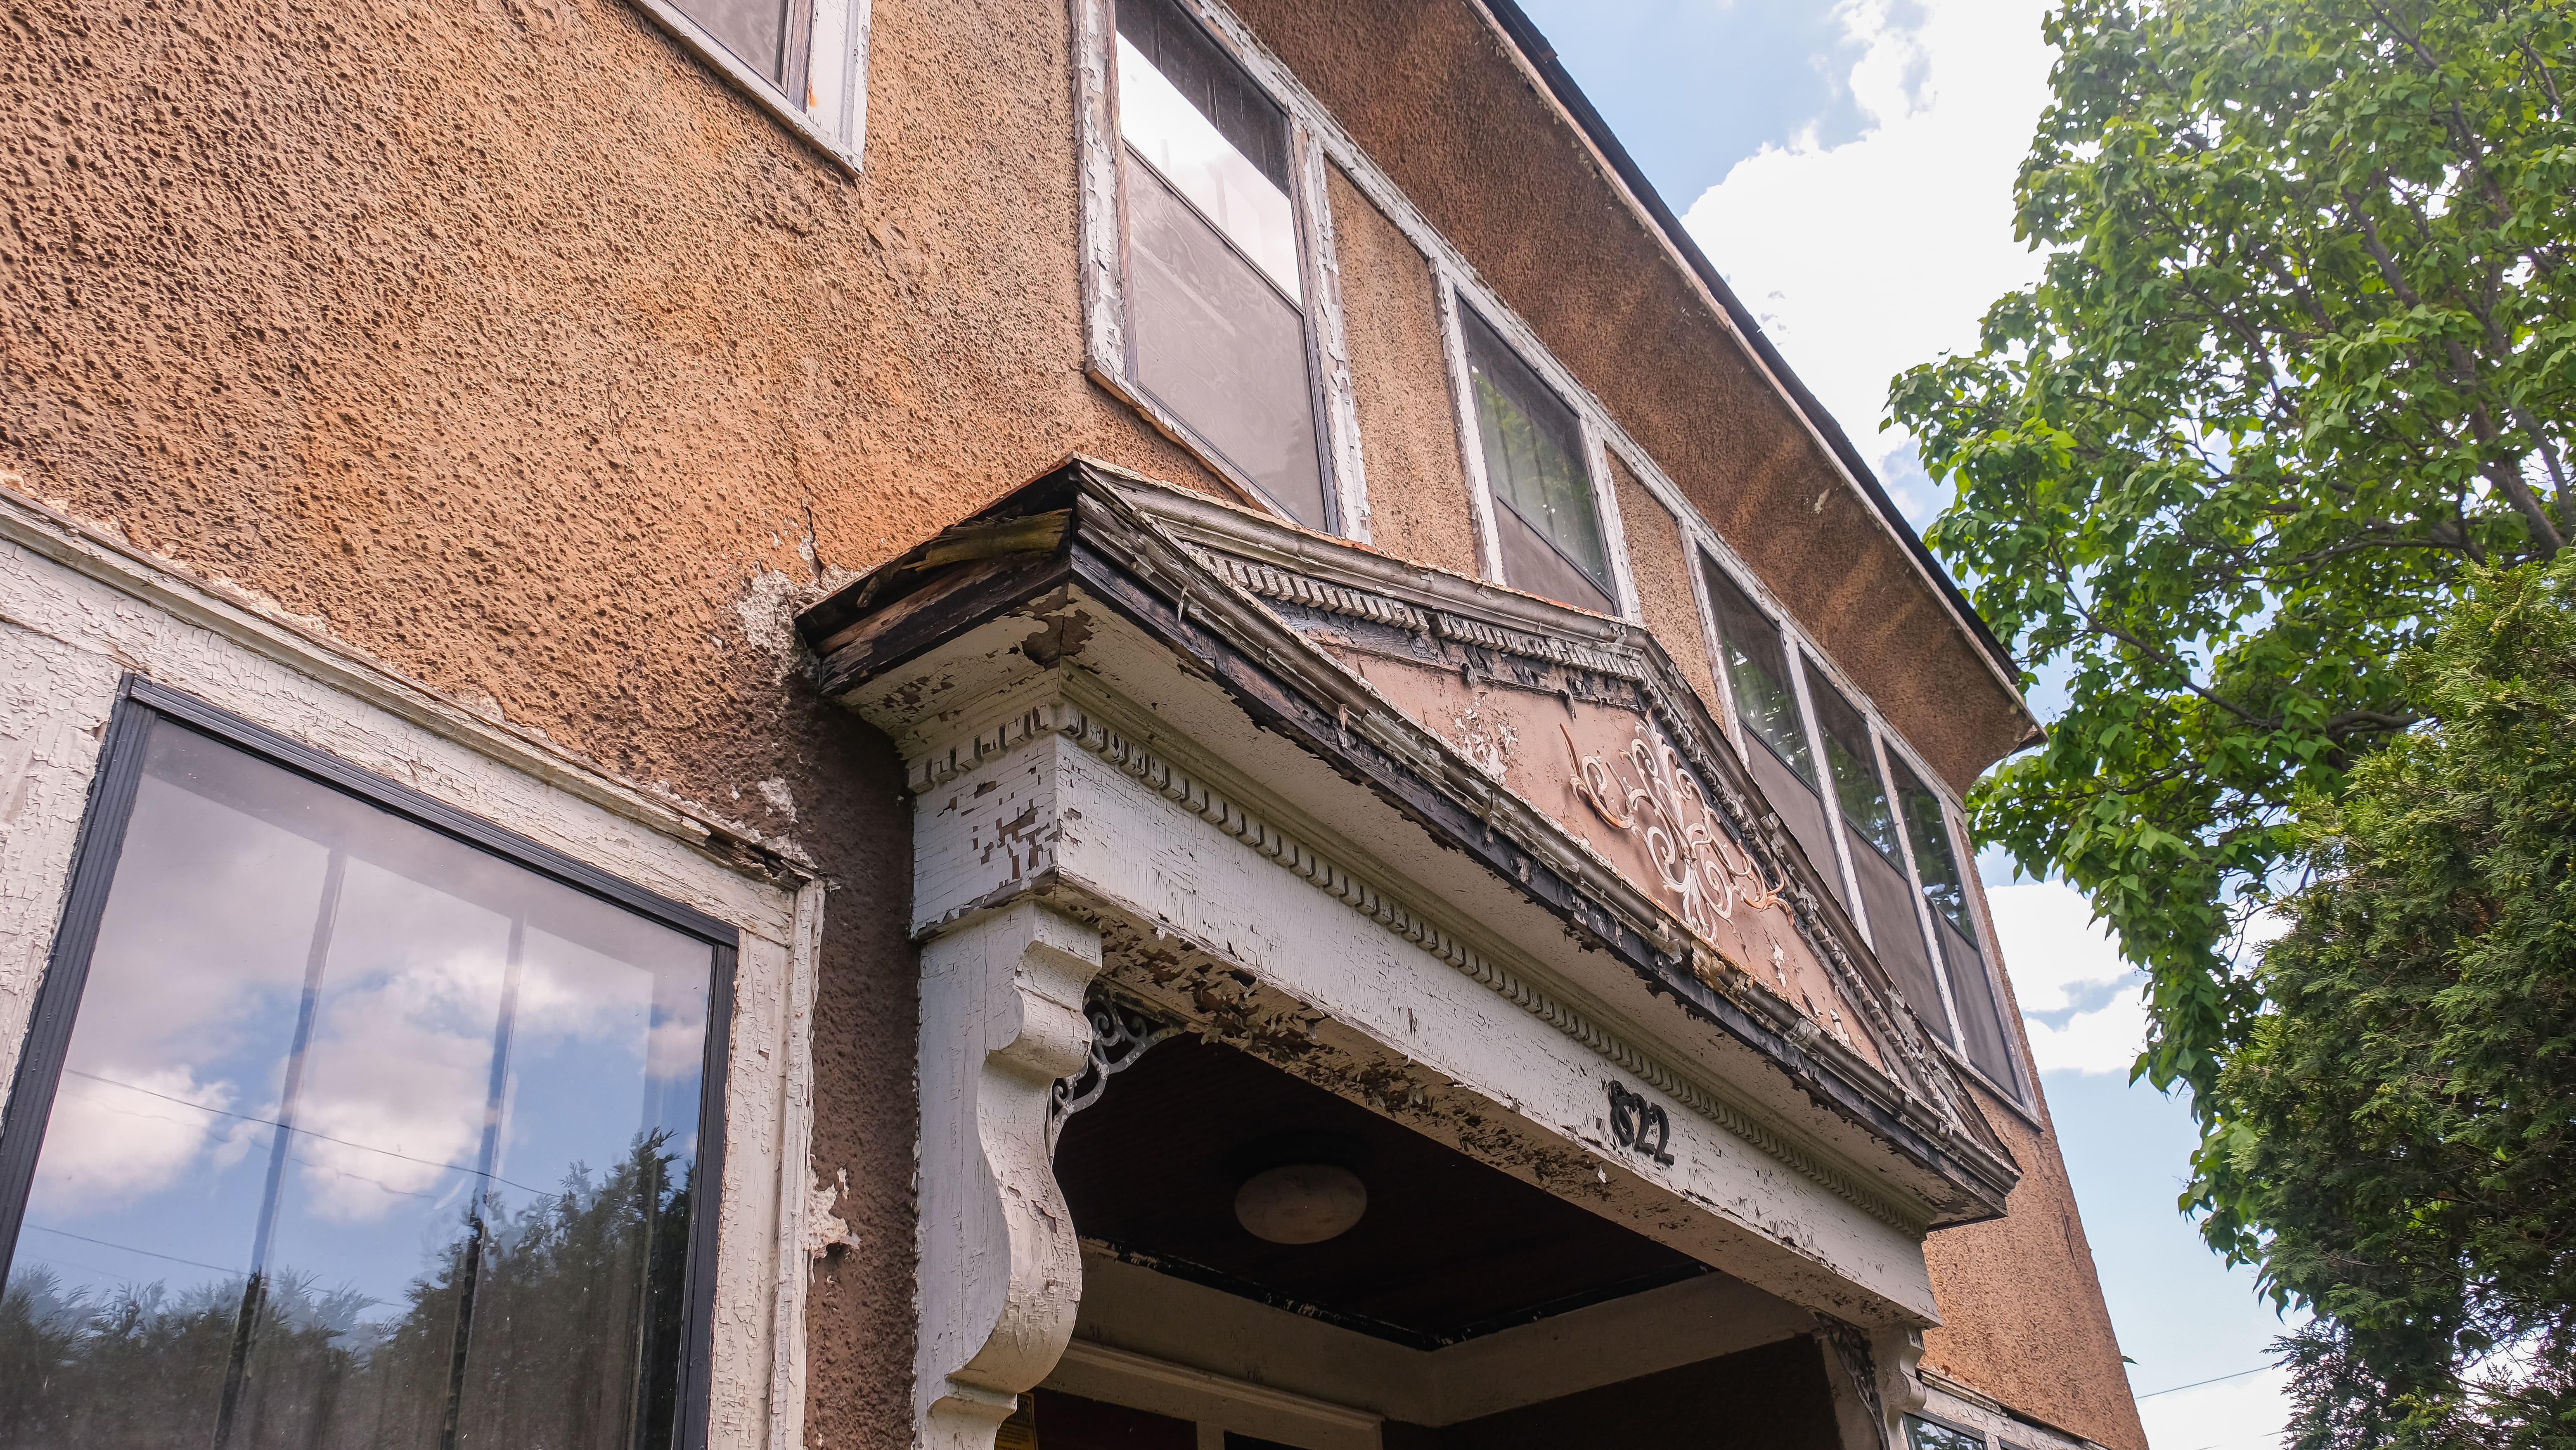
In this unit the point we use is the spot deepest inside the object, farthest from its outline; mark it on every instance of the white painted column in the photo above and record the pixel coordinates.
(1000, 1271)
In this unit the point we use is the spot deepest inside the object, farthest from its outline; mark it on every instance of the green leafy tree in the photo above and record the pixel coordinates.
(2305, 352)
(2398, 1148)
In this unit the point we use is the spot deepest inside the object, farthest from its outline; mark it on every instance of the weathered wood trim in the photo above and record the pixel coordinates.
(1391, 911)
(835, 121)
(79, 609)
(1493, 828)
(1347, 478)
(1000, 1272)
(1471, 444)
(1454, 275)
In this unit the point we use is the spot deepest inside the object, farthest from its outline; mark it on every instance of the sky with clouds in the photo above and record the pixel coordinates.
(1849, 167)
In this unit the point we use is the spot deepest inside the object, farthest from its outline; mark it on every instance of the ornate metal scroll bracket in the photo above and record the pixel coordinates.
(1119, 1035)
(1880, 1366)
(1660, 801)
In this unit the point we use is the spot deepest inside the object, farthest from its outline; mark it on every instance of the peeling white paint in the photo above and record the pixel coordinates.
(781, 800)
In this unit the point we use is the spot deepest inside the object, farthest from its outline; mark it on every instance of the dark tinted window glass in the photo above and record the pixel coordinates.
(1215, 325)
(365, 1137)
(1181, 52)
(767, 35)
(1534, 463)
(1070, 1422)
(1852, 765)
(1757, 673)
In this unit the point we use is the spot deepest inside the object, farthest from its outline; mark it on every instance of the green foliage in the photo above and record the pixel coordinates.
(2395, 1139)
(2304, 353)
(564, 1289)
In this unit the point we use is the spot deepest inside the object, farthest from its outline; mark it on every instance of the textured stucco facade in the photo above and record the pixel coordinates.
(505, 344)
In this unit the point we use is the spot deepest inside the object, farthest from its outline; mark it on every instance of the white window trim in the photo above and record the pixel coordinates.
(84, 609)
(1104, 263)
(833, 117)
(1456, 293)
(1456, 283)
(1828, 789)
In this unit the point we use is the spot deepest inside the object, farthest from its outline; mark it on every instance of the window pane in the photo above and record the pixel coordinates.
(1934, 861)
(364, 1137)
(1921, 1434)
(1853, 765)
(758, 32)
(1534, 456)
(1247, 203)
(1221, 348)
(1981, 1015)
(1896, 934)
(1757, 673)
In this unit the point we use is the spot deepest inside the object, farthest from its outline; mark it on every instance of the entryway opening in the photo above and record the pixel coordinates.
(1269, 1262)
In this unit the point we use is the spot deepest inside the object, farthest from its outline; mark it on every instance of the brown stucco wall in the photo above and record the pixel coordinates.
(2021, 1309)
(1659, 559)
(1418, 500)
(1516, 188)
(511, 347)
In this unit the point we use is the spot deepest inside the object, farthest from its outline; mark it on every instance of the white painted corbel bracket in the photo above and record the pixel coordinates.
(1000, 1269)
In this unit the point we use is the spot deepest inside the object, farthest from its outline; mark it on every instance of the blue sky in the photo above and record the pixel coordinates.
(1849, 168)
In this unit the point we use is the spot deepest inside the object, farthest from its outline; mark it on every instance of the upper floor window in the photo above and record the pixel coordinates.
(1982, 1031)
(804, 60)
(1870, 832)
(1765, 696)
(1546, 514)
(337, 1125)
(1216, 320)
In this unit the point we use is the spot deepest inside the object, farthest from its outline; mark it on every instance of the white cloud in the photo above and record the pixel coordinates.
(2106, 1039)
(2060, 959)
(2236, 1414)
(2055, 948)
(1866, 258)
(113, 1141)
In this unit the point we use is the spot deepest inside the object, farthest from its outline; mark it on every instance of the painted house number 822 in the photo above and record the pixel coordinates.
(1638, 1125)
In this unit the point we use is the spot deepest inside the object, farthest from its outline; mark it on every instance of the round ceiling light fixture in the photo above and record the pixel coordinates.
(1301, 1203)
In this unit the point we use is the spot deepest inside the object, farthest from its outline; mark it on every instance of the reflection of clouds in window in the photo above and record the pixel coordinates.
(318, 1040)
(110, 1143)
(1253, 213)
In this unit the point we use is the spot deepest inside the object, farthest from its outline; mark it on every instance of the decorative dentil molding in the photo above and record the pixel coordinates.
(1002, 1019)
(1113, 745)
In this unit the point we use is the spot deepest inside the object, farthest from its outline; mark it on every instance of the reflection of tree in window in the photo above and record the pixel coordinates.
(1853, 766)
(1933, 858)
(364, 1137)
(1757, 673)
(1551, 530)
(1982, 1027)
(1922, 1434)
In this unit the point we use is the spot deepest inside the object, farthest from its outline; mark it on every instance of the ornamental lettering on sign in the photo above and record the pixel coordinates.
(1657, 799)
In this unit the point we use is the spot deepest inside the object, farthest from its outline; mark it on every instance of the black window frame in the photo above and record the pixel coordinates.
(1300, 207)
(100, 842)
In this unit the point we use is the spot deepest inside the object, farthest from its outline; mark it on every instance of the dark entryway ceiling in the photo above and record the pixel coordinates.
(1449, 1248)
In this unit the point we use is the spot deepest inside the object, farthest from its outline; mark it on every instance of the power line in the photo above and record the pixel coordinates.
(2196, 1384)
